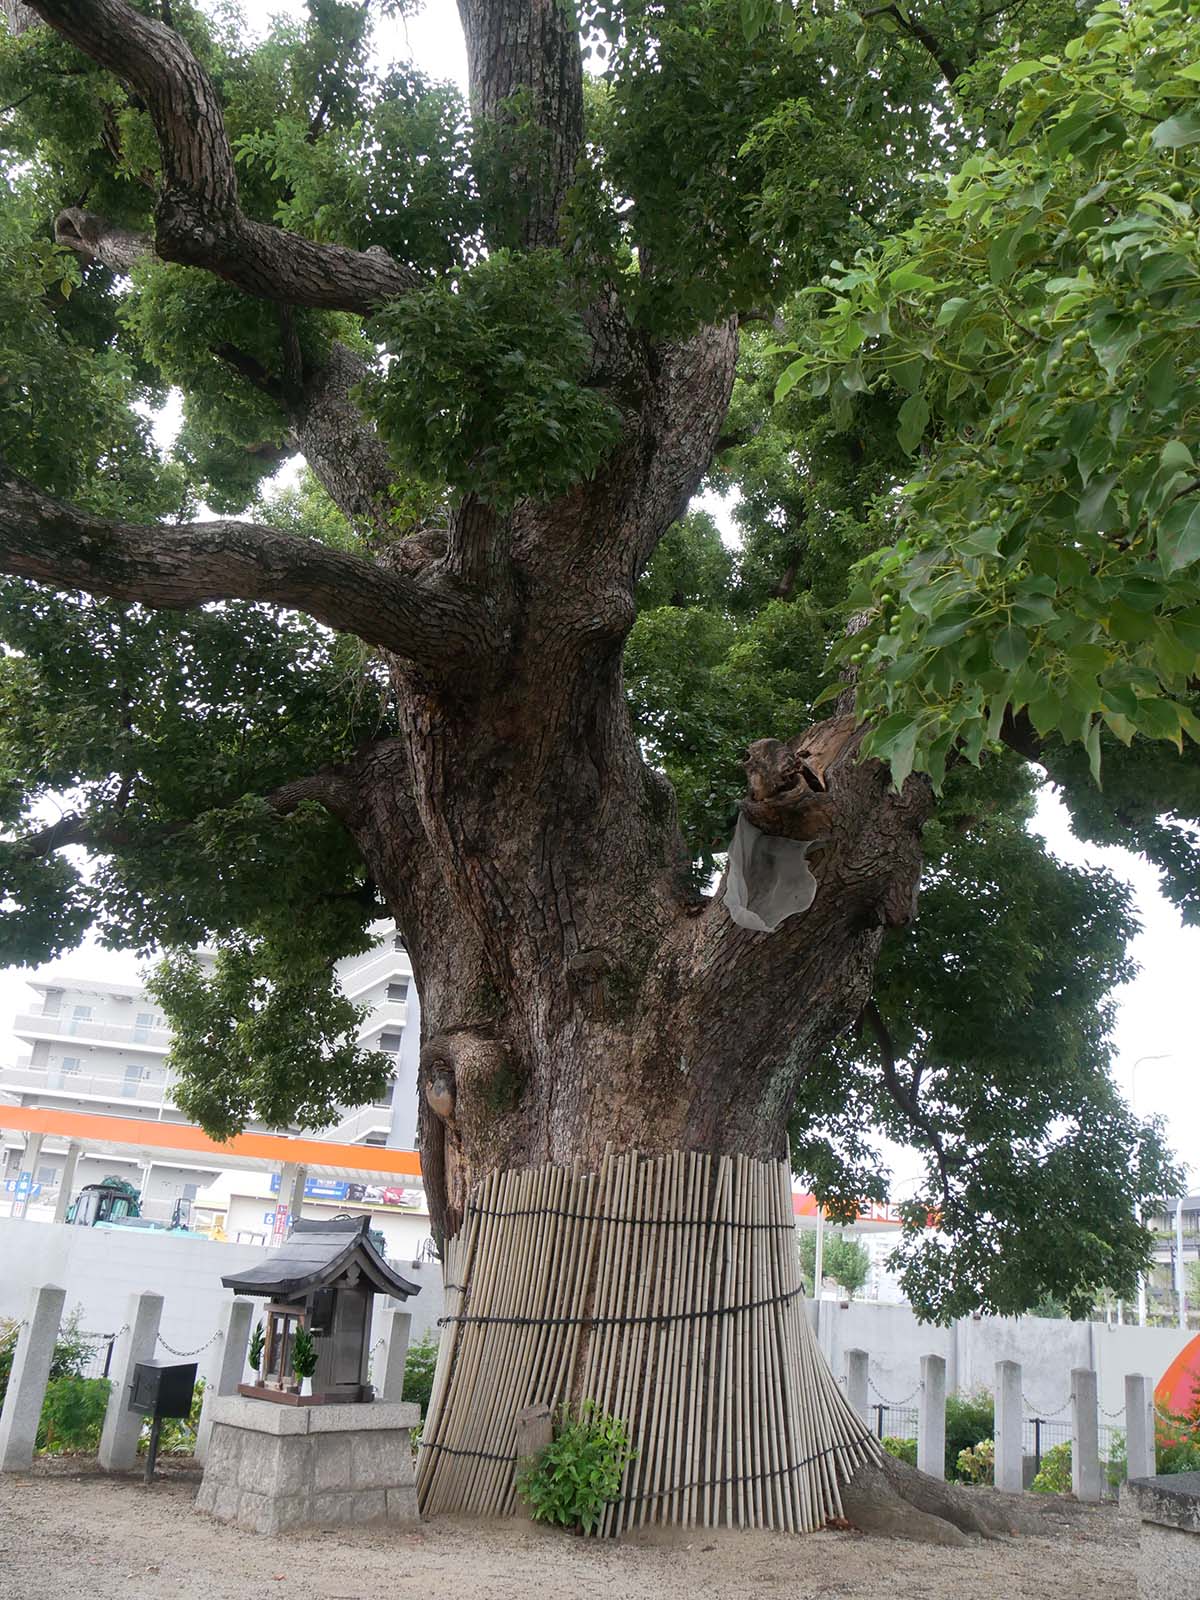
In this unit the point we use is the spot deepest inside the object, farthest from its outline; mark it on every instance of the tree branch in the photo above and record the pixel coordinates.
(198, 220)
(418, 618)
(905, 1097)
(339, 443)
(916, 30)
(335, 787)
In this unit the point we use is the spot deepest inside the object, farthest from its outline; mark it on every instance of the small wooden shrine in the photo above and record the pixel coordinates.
(323, 1279)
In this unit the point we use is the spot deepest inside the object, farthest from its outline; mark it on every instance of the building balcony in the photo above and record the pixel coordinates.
(59, 1025)
(356, 1126)
(55, 1081)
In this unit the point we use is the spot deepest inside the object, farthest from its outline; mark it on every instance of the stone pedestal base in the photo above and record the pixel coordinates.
(1169, 1544)
(272, 1467)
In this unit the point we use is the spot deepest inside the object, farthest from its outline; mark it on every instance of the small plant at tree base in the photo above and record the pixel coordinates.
(257, 1339)
(304, 1353)
(579, 1472)
(978, 1463)
(902, 1449)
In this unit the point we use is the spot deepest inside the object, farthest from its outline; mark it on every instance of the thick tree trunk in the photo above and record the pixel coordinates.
(576, 993)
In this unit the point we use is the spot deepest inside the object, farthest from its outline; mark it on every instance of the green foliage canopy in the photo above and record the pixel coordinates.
(974, 442)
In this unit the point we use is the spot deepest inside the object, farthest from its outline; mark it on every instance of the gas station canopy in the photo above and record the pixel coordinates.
(138, 1139)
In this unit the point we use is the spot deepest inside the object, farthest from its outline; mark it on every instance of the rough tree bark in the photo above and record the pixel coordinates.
(575, 990)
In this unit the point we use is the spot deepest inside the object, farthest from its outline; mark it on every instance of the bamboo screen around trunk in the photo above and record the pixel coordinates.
(668, 1291)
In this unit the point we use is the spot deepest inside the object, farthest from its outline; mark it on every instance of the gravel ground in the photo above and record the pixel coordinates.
(69, 1533)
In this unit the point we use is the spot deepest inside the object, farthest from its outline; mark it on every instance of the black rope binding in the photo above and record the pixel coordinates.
(476, 1455)
(636, 1222)
(679, 1488)
(657, 1319)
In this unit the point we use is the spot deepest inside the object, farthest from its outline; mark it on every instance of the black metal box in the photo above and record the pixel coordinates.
(163, 1388)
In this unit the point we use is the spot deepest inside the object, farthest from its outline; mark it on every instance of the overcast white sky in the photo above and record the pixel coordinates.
(1157, 1010)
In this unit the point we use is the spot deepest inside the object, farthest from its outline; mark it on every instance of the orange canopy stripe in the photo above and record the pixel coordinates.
(269, 1149)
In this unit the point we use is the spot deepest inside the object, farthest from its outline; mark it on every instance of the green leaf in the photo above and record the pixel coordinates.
(1159, 719)
(790, 377)
(950, 310)
(1021, 71)
(1179, 535)
(895, 741)
(1092, 743)
(1093, 505)
(1011, 647)
(903, 280)
(1032, 610)
(1177, 132)
(913, 419)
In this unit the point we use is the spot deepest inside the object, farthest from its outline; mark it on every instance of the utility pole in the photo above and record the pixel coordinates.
(1180, 1280)
(1141, 1303)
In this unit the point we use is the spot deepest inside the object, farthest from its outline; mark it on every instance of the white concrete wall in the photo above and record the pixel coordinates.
(1046, 1348)
(100, 1268)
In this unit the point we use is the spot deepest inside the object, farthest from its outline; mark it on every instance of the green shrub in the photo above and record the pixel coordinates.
(977, 1463)
(1116, 1468)
(1054, 1475)
(419, 1367)
(969, 1419)
(72, 1349)
(72, 1415)
(902, 1449)
(579, 1472)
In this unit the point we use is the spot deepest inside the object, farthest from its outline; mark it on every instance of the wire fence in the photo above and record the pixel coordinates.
(98, 1363)
(894, 1422)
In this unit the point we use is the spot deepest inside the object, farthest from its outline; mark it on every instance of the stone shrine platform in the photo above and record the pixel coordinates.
(1169, 1540)
(273, 1467)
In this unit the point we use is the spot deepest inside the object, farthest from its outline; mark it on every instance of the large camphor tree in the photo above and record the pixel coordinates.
(917, 285)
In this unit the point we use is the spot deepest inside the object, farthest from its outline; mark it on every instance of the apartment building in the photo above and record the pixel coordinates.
(102, 1047)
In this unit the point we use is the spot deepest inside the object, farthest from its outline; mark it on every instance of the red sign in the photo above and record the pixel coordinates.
(282, 1218)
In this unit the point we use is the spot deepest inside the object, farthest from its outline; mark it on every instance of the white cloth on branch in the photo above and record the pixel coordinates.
(769, 878)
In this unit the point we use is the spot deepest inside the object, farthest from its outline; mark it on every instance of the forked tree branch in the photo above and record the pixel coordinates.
(905, 1096)
(341, 446)
(175, 568)
(199, 220)
(335, 787)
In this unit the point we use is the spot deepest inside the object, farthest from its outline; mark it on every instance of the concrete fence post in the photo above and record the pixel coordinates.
(1010, 1423)
(1086, 1482)
(229, 1373)
(63, 1204)
(1139, 1425)
(396, 1354)
(27, 1381)
(931, 1417)
(857, 1362)
(122, 1427)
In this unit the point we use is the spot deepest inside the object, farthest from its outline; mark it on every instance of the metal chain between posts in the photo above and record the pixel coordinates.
(892, 1405)
(1043, 1413)
(171, 1350)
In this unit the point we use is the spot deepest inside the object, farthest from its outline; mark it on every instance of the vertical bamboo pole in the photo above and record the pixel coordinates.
(633, 1304)
(697, 1262)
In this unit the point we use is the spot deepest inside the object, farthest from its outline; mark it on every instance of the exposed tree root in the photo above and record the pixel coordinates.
(895, 1500)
